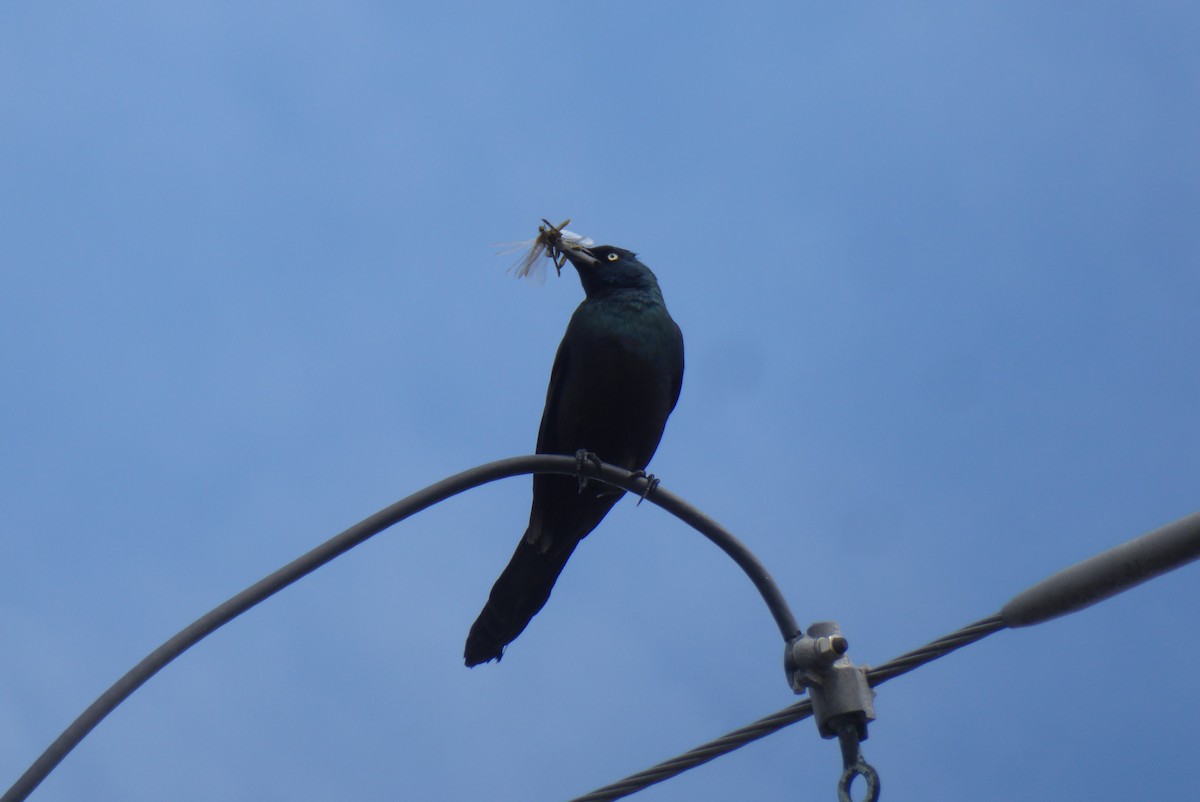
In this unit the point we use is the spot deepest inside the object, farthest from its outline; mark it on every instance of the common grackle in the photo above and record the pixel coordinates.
(615, 380)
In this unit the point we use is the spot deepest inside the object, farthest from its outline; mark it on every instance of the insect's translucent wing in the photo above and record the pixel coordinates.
(532, 265)
(550, 242)
(571, 238)
(512, 247)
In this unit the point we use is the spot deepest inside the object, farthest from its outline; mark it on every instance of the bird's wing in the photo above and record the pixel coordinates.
(677, 385)
(547, 439)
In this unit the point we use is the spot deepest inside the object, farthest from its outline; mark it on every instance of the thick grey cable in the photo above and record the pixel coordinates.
(1107, 574)
(302, 566)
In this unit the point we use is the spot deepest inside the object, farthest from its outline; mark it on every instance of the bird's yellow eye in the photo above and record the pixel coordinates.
(612, 257)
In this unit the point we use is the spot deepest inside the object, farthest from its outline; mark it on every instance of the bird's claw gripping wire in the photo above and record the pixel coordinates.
(651, 484)
(583, 456)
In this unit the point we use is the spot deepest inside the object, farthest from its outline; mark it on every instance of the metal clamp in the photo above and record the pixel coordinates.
(841, 698)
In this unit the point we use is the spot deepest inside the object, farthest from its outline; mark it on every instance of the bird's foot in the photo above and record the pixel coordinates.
(651, 483)
(582, 456)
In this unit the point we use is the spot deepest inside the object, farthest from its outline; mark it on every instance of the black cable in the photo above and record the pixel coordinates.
(753, 568)
(336, 546)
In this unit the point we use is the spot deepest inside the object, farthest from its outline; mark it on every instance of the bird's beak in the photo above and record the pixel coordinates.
(580, 256)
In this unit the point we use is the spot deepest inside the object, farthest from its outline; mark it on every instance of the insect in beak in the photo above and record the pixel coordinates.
(552, 241)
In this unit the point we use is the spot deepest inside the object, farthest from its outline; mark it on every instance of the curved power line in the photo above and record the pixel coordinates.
(340, 544)
(1067, 591)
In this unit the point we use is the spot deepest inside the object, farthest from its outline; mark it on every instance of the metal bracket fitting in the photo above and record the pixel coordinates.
(843, 702)
(817, 662)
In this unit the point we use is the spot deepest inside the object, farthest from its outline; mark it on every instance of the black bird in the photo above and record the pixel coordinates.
(615, 380)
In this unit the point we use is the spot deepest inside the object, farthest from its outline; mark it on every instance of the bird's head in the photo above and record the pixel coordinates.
(607, 267)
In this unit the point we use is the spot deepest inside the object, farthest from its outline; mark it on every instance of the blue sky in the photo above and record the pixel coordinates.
(937, 269)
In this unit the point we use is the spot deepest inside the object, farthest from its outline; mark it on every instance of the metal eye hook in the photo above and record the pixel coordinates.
(854, 765)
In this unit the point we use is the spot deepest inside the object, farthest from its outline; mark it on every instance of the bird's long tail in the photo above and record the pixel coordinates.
(516, 597)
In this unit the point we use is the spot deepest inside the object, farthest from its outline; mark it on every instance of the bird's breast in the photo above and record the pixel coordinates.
(625, 363)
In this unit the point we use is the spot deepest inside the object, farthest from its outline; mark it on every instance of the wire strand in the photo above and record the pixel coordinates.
(701, 754)
(935, 649)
